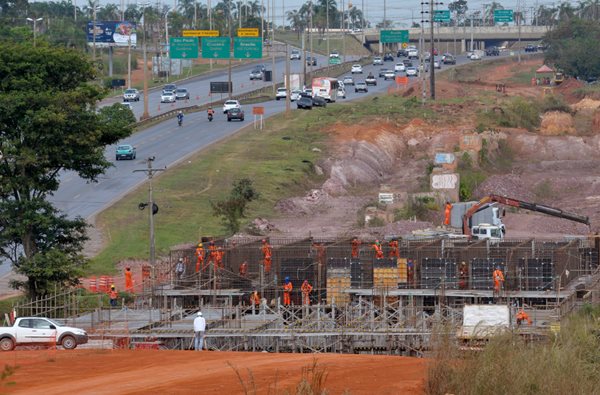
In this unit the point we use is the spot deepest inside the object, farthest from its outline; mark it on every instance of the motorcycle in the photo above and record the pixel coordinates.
(210, 117)
(180, 121)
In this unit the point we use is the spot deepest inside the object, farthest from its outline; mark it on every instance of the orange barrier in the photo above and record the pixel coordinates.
(93, 285)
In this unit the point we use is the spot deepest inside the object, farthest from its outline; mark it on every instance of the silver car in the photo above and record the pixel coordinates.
(168, 97)
(131, 95)
(182, 94)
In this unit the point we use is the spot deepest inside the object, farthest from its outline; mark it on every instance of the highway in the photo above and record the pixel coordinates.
(169, 143)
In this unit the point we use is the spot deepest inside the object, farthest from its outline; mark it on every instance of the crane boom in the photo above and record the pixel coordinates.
(555, 212)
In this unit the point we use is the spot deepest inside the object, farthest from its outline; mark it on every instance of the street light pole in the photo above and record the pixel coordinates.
(146, 114)
(35, 21)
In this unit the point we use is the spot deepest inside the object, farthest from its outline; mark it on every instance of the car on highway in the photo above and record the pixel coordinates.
(308, 91)
(169, 88)
(319, 101)
(531, 48)
(412, 72)
(257, 74)
(388, 57)
(281, 93)
(235, 113)
(356, 69)
(413, 53)
(389, 75)
(341, 92)
(382, 72)
(305, 102)
(295, 55)
(40, 331)
(474, 56)
(377, 61)
(125, 151)
(437, 64)
(131, 95)
(492, 51)
(407, 63)
(229, 104)
(448, 58)
(348, 80)
(334, 54)
(402, 53)
(371, 80)
(128, 105)
(399, 67)
(182, 94)
(360, 86)
(295, 95)
(168, 97)
(311, 61)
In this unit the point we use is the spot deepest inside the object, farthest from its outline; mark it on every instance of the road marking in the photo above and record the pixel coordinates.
(76, 196)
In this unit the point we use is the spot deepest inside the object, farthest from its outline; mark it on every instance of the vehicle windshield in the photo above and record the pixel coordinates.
(495, 232)
(130, 91)
(182, 90)
(124, 147)
(56, 324)
(231, 102)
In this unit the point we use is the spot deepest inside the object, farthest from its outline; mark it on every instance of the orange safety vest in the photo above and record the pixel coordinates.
(266, 250)
(498, 276)
(306, 288)
(393, 249)
(355, 248)
(287, 288)
(113, 294)
(128, 281)
(378, 251)
(254, 298)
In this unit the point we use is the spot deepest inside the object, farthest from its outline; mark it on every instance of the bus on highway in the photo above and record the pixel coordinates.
(326, 88)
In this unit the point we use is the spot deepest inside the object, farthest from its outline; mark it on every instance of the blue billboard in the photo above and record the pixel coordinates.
(112, 33)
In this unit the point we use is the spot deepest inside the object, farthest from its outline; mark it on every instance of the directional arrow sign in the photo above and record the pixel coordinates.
(183, 47)
(441, 16)
(216, 47)
(247, 48)
(503, 15)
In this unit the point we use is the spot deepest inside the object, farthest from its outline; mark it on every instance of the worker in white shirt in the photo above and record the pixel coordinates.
(199, 329)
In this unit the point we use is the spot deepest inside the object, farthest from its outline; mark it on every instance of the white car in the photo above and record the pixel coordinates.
(281, 93)
(131, 95)
(295, 95)
(399, 67)
(412, 72)
(229, 104)
(295, 55)
(308, 92)
(389, 75)
(377, 61)
(437, 64)
(168, 97)
(356, 69)
(334, 54)
(341, 92)
(348, 80)
(475, 56)
(413, 53)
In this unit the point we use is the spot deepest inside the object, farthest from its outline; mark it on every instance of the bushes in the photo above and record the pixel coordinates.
(470, 177)
(416, 208)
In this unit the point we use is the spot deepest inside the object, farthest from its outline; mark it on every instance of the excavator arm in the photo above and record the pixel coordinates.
(540, 208)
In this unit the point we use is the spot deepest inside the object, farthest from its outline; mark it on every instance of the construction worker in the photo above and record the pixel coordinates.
(113, 295)
(306, 289)
(394, 251)
(463, 276)
(447, 212)
(212, 252)
(410, 272)
(321, 253)
(255, 298)
(355, 247)
(179, 268)
(378, 250)
(267, 254)
(522, 316)
(498, 280)
(219, 257)
(199, 258)
(128, 280)
(244, 269)
(287, 292)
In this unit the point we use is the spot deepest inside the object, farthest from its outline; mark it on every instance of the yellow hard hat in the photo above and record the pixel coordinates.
(200, 245)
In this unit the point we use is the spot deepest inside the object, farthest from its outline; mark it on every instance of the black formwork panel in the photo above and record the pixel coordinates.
(434, 271)
(482, 271)
(361, 273)
(298, 270)
(338, 263)
(385, 263)
(539, 273)
(589, 259)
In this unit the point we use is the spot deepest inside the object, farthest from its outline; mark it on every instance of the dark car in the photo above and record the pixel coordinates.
(402, 53)
(388, 57)
(531, 48)
(235, 113)
(407, 63)
(448, 58)
(169, 88)
(382, 72)
(125, 151)
(360, 87)
(318, 101)
(371, 80)
(305, 102)
(492, 51)
(311, 61)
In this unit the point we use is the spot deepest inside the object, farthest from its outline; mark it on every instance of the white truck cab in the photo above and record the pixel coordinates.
(488, 231)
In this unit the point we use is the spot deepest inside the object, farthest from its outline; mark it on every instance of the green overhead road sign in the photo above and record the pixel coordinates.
(183, 47)
(247, 48)
(393, 36)
(441, 16)
(216, 47)
(335, 61)
(503, 15)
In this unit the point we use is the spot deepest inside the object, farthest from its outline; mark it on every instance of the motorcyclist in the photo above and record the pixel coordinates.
(180, 117)
(210, 113)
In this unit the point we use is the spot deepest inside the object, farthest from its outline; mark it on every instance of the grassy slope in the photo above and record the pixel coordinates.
(353, 46)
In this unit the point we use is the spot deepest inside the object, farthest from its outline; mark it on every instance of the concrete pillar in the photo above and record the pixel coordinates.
(463, 46)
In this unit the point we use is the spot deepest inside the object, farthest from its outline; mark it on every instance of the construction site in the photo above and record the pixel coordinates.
(360, 304)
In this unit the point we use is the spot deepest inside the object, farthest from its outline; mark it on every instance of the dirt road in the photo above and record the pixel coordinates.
(186, 372)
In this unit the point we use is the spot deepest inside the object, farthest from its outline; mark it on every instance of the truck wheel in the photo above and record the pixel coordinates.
(7, 344)
(69, 342)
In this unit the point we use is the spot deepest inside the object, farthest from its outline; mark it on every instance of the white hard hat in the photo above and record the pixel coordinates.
(200, 313)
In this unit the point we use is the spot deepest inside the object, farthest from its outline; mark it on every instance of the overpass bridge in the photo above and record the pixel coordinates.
(458, 39)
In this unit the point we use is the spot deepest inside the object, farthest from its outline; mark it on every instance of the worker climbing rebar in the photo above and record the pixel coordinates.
(355, 247)
(378, 250)
(394, 251)
(200, 258)
(267, 252)
(128, 280)
(447, 213)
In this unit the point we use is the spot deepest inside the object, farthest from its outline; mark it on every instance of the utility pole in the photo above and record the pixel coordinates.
(150, 204)
(145, 115)
(431, 53)
(287, 80)
(94, 33)
(210, 26)
(35, 20)
(327, 31)
(519, 29)
(421, 60)
(229, 85)
(273, 44)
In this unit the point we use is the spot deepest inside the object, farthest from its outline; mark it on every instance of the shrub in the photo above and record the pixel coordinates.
(555, 103)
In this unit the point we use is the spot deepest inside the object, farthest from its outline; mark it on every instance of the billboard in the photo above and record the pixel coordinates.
(112, 33)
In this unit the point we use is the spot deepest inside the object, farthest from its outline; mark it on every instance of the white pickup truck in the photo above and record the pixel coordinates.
(38, 331)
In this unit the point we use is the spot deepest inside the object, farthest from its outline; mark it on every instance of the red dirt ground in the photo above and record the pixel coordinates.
(186, 372)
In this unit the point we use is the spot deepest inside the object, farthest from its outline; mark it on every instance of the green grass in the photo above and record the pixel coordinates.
(522, 77)
(353, 46)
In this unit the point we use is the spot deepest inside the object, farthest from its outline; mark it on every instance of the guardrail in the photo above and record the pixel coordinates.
(330, 71)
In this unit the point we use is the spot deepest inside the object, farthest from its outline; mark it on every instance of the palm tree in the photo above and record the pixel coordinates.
(589, 9)
(296, 21)
(110, 12)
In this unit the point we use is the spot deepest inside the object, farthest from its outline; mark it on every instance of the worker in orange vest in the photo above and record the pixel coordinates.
(447, 212)
(463, 276)
(267, 254)
(522, 316)
(128, 280)
(394, 251)
(498, 279)
(244, 269)
(321, 253)
(219, 257)
(200, 258)
(113, 295)
(355, 247)
(212, 252)
(378, 250)
(287, 292)
(306, 289)
(255, 299)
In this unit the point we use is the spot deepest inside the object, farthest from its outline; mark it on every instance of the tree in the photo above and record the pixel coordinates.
(570, 48)
(233, 209)
(48, 125)
(459, 8)
(296, 21)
